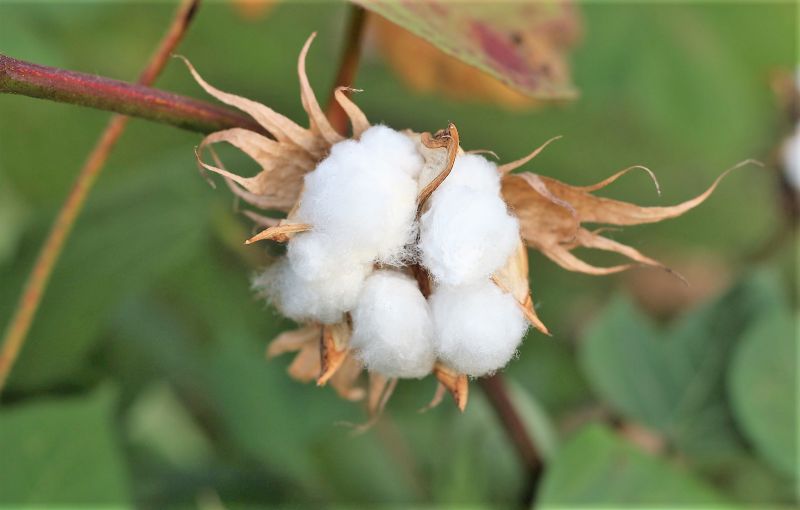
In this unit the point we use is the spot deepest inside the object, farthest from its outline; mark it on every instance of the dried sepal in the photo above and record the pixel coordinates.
(513, 278)
(280, 233)
(292, 341)
(441, 140)
(333, 350)
(457, 384)
(322, 356)
(438, 396)
(551, 215)
(279, 126)
(318, 121)
(509, 167)
(358, 120)
(278, 184)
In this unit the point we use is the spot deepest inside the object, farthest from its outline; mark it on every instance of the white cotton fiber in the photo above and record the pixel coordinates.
(318, 299)
(477, 328)
(466, 235)
(791, 158)
(474, 172)
(363, 196)
(392, 329)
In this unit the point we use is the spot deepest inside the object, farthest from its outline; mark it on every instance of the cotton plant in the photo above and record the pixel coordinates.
(406, 255)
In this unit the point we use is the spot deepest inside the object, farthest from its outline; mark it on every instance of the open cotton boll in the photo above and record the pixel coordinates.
(301, 299)
(364, 194)
(392, 329)
(466, 235)
(475, 172)
(477, 328)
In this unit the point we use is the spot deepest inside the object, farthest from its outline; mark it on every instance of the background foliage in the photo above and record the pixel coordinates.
(143, 382)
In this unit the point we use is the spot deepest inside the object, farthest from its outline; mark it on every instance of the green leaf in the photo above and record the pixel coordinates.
(599, 468)
(762, 379)
(62, 452)
(537, 422)
(500, 39)
(673, 381)
(130, 234)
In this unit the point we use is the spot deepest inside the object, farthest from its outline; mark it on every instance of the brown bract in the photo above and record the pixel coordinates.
(552, 215)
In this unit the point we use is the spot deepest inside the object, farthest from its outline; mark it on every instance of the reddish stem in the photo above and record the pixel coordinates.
(136, 100)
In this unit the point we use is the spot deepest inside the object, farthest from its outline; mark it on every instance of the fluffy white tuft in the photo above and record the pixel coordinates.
(474, 172)
(791, 158)
(477, 327)
(363, 196)
(466, 235)
(392, 329)
(318, 299)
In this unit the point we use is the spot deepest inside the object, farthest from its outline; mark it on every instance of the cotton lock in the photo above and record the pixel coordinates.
(392, 328)
(477, 328)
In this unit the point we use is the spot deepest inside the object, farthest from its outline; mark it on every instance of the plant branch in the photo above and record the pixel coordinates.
(67, 84)
(136, 100)
(497, 393)
(348, 66)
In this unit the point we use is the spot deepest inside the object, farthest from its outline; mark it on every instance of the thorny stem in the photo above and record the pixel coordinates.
(497, 393)
(348, 67)
(135, 100)
(44, 79)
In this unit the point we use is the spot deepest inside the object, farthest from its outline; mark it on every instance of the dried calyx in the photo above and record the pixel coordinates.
(405, 255)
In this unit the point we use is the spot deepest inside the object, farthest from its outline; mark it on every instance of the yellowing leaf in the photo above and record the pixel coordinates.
(522, 44)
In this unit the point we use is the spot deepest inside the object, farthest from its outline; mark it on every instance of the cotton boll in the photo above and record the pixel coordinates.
(466, 235)
(477, 328)
(474, 172)
(363, 195)
(299, 298)
(392, 329)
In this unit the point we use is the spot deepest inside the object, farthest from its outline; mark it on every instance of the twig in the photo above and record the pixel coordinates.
(21, 321)
(497, 393)
(136, 100)
(348, 66)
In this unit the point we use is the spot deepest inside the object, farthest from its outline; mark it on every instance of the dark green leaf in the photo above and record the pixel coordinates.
(761, 384)
(61, 452)
(598, 468)
(673, 381)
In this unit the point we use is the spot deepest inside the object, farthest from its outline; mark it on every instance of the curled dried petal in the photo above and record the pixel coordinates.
(317, 119)
(457, 384)
(358, 120)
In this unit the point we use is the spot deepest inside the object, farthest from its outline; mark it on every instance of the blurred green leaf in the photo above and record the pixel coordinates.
(521, 44)
(599, 468)
(13, 216)
(158, 422)
(761, 382)
(536, 420)
(130, 234)
(62, 452)
(673, 381)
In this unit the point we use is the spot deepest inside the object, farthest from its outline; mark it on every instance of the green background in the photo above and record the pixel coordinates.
(143, 382)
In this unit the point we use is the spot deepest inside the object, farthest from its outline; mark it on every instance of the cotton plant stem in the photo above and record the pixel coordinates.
(135, 100)
(500, 400)
(17, 330)
(348, 66)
